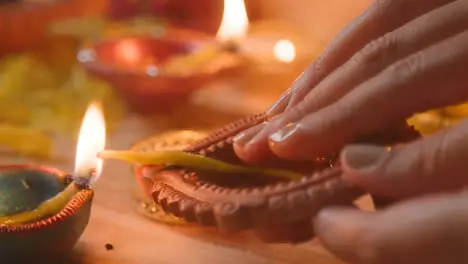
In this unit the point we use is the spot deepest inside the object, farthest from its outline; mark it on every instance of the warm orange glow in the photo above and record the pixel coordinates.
(285, 51)
(91, 140)
(235, 21)
(128, 52)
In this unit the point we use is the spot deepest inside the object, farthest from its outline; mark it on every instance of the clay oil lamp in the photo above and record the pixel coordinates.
(156, 71)
(43, 211)
(208, 185)
(274, 54)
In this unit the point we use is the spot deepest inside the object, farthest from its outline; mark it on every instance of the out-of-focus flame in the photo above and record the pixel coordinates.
(284, 51)
(235, 21)
(91, 140)
(128, 51)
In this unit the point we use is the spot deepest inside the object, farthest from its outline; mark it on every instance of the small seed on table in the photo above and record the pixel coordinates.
(109, 247)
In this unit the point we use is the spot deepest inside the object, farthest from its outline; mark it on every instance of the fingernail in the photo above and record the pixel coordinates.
(243, 138)
(284, 133)
(280, 104)
(363, 158)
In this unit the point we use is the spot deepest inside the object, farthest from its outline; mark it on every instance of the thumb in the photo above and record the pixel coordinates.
(432, 164)
(426, 230)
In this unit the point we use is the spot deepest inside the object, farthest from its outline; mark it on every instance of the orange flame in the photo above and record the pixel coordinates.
(91, 140)
(235, 21)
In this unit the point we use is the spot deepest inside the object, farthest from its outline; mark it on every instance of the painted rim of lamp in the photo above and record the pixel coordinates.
(68, 211)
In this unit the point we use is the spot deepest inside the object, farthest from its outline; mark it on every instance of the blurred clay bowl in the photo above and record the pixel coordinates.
(265, 74)
(134, 66)
(25, 24)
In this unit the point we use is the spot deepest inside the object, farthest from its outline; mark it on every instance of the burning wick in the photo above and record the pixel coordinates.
(91, 140)
(81, 182)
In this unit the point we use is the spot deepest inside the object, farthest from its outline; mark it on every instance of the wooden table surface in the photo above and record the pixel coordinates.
(139, 240)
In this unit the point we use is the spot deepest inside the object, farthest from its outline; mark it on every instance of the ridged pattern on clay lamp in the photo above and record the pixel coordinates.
(277, 211)
(51, 237)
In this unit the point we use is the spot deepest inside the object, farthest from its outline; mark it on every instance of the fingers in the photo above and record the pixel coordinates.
(422, 32)
(253, 154)
(436, 163)
(431, 78)
(383, 16)
(280, 105)
(421, 231)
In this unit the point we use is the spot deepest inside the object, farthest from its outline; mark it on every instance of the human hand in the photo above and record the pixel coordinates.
(421, 229)
(368, 79)
(398, 58)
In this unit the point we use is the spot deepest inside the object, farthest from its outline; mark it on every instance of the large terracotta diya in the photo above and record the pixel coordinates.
(276, 210)
(22, 189)
(152, 72)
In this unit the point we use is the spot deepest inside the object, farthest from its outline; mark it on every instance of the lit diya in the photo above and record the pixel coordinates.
(274, 55)
(43, 211)
(207, 184)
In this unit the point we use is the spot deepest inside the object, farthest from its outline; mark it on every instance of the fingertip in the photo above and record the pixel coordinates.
(251, 145)
(363, 158)
(244, 138)
(252, 153)
(283, 142)
(295, 142)
(340, 230)
(362, 165)
(336, 221)
(379, 170)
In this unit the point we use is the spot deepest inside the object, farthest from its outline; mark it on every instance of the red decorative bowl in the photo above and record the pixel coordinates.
(134, 66)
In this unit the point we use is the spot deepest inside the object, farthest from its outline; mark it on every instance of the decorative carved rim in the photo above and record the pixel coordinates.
(275, 211)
